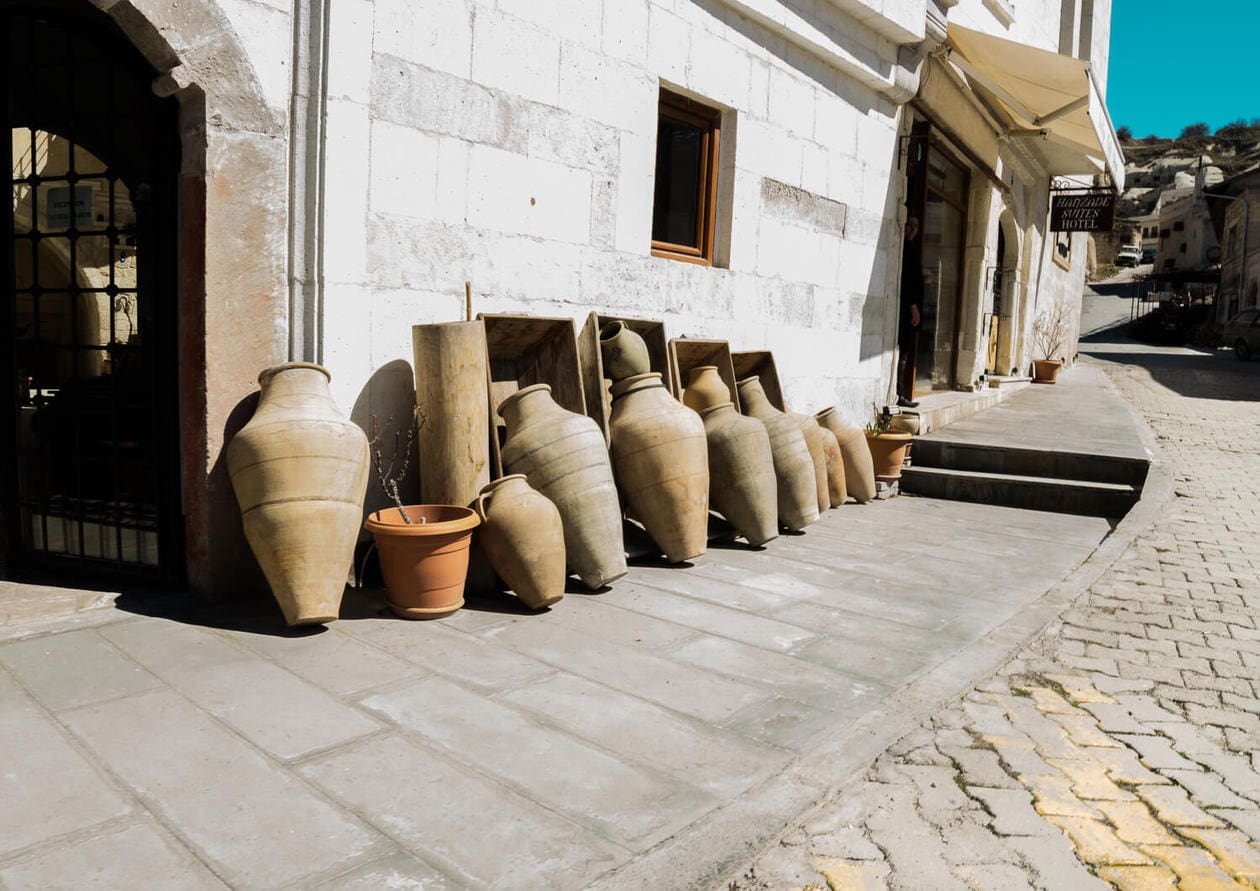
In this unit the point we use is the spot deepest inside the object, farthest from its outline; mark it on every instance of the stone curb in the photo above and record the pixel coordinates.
(717, 849)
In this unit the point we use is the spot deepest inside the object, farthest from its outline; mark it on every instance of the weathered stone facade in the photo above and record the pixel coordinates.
(349, 165)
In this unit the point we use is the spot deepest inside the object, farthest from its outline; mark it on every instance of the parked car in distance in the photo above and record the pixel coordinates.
(1148, 255)
(1242, 332)
(1128, 256)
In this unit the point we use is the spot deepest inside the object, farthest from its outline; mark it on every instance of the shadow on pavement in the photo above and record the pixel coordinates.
(1193, 372)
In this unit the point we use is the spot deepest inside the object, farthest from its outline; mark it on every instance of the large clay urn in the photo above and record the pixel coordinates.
(300, 470)
(563, 456)
(523, 537)
(818, 454)
(705, 388)
(661, 463)
(837, 488)
(859, 471)
(793, 466)
(624, 351)
(742, 484)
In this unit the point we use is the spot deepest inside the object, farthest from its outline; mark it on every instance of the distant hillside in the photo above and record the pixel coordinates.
(1153, 164)
(1233, 148)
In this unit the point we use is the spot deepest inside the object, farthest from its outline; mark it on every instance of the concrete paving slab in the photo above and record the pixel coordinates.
(336, 661)
(122, 855)
(722, 763)
(399, 871)
(68, 670)
(626, 803)
(479, 833)
(258, 826)
(47, 788)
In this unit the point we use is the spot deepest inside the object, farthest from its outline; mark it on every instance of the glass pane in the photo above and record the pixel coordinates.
(54, 263)
(942, 267)
(23, 263)
(679, 168)
(23, 165)
(62, 205)
(22, 198)
(93, 259)
(947, 177)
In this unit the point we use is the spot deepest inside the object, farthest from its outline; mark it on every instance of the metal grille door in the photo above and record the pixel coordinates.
(91, 435)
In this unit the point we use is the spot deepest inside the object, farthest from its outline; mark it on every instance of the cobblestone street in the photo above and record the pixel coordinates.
(1122, 746)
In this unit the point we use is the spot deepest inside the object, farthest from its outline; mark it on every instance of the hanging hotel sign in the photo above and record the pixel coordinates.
(1082, 211)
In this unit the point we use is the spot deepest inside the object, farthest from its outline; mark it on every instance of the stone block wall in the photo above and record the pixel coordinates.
(512, 144)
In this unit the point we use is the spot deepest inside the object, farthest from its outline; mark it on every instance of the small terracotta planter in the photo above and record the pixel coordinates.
(425, 563)
(1046, 371)
(888, 452)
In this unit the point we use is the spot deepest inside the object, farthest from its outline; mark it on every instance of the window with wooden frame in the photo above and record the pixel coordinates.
(684, 209)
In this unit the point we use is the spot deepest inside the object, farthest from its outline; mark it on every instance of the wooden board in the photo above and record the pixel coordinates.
(526, 350)
(595, 384)
(685, 354)
(760, 363)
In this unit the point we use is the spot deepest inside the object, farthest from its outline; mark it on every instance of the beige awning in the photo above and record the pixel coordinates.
(1049, 97)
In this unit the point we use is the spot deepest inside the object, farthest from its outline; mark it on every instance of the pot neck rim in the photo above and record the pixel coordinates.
(512, 401)
(609, 330)
(825, 412)
(268, 373)
(647, 381)
(714, 409)
(495, 484)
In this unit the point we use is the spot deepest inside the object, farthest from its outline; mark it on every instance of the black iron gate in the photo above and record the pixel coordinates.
(89, 440)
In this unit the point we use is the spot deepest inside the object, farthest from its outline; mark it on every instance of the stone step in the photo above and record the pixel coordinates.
(938, 451)
(1032, 492)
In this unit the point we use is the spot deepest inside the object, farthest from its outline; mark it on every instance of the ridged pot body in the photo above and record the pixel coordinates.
(888, 452)
(563, 456)
(793, 466)
(425, 562)
(836, 485)
(300, 471)
(661, 463)
(817, 453)
(742, 484)
(859, 472)
(523, 538)
(624, 351)
(705, 388)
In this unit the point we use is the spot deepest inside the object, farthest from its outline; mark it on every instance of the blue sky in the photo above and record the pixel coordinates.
(1175, 63)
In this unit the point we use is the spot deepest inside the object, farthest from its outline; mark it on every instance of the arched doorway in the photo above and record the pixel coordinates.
(89, 439)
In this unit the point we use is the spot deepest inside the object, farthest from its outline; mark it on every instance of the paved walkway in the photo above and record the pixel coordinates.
(1120, 748)
(655, 735)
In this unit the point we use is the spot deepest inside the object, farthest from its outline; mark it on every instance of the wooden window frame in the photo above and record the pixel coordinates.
(708, 119)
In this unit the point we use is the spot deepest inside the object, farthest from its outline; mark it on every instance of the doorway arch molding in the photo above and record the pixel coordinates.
(232, 262)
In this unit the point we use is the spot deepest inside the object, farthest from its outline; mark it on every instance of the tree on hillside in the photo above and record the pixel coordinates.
(1199, 129)
(1125, 134)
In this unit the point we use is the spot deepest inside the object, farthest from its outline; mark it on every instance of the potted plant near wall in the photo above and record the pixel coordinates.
(1050, 332)
(423, 548)
(888, 447)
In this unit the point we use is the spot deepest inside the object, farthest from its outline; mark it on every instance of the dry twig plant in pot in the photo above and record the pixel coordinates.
(423, 548)
(888, 448)
(1050, 332)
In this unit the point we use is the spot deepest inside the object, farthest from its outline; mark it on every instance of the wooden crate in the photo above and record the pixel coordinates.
(595, 384)
(760, 363)
(527, 350)
(685, 354)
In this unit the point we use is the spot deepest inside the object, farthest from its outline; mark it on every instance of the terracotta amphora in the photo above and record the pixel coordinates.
(859, 472)
(300, 471)
(424, 562)
(793, 466)
(836, 486)
(742, 485)
(523, 537)
(705, 388)
(624, 351)
(661, 463)
(817, 453)
(563, 456)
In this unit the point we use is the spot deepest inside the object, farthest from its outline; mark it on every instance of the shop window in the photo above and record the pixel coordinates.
(684, 209)
(1179, 226)
(1063, 249)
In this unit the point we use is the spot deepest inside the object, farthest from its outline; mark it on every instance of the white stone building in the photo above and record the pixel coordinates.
(335, 170)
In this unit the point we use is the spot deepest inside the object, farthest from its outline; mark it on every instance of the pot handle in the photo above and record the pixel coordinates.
(480, 504)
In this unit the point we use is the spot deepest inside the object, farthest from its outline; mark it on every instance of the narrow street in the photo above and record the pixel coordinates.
(1121, 746)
